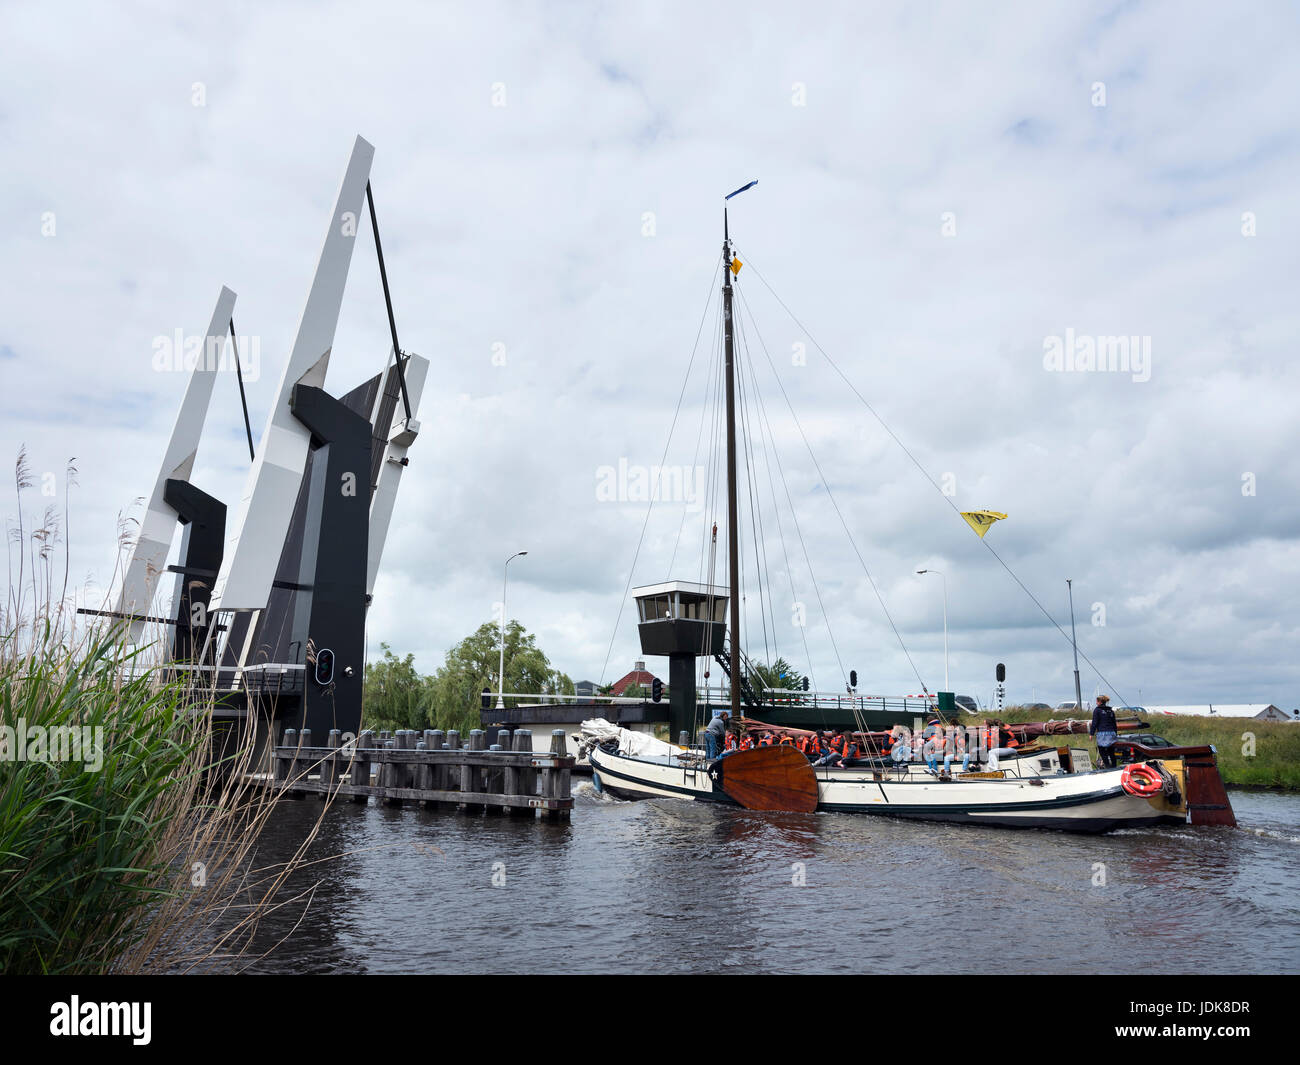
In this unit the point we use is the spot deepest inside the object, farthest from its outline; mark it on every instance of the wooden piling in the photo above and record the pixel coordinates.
(360, 773)
(329, 770)
(556, 778)
(471, 775)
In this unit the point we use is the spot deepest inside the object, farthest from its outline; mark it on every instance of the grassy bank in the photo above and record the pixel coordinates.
(1271, 761)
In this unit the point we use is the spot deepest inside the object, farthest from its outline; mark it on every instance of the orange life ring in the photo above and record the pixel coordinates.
(1141, 779)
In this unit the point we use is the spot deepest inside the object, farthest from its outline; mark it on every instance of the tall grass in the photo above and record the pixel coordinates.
(1250, 753)
(135, 851)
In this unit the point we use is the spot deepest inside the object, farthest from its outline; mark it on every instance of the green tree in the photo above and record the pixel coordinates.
(395, 695)
(780, 674)
(472, 665)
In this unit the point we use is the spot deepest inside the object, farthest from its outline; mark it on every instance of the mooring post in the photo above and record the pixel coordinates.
(552, 776)
(361, 763)
(510, 779)
(425, 775)
(494, 780)
(329, 770)
(385, 772)
(283, 760)
(397, 771)
(470, 775)
(527, 774)
(438, 770)
(563, 776)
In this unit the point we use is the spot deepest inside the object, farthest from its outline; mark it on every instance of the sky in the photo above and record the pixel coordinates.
(955, 201)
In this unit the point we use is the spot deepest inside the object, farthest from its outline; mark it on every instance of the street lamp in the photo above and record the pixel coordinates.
(945, 624)
(501, 681)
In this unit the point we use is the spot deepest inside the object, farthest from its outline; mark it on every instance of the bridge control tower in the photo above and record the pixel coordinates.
(683, 621)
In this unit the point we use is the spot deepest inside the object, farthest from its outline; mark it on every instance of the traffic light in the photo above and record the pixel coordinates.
(324, 666)
(853, 678)
(485, 700)
(656, 690)
(805, 684)
(1002, 672)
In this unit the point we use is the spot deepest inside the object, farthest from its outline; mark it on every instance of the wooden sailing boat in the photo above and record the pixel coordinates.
(1037, 785)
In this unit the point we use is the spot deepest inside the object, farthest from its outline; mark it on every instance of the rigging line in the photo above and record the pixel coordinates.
(924, 472)
(780, 528)
(756, 530)
(831, 496)
(695, 460)
(794, 515)
(749, 484)
(713, 391)
(243, 400)
(650, 504)
(756, 421)
(388, 302)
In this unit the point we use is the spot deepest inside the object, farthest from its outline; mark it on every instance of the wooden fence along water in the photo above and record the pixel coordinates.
(433, 768)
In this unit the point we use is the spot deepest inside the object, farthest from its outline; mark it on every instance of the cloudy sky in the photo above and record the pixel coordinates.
(943, 190)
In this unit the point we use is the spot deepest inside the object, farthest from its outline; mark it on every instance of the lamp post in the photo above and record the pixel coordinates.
(945, 624)
(501, 673)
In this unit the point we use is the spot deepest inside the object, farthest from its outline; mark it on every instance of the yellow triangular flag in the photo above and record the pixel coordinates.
(736, 264)
(981, 520)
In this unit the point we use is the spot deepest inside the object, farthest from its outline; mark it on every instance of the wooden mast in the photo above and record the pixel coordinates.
(733, 532)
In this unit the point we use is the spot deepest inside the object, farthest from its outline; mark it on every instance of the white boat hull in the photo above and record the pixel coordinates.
(1079, 802)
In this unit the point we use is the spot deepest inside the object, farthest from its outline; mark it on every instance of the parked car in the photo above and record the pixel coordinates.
(1071, 705)
(1042, 707)
(967, 703)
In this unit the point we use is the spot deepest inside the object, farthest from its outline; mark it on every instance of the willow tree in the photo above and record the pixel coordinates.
(472, 665)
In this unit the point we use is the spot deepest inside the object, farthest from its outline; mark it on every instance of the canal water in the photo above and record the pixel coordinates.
(666, 886)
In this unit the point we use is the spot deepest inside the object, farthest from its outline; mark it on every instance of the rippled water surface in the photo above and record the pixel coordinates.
(667, 886)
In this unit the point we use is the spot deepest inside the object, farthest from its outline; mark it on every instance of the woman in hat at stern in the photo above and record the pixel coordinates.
(1105, 731)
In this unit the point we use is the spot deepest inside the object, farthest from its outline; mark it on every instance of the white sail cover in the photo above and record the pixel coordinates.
(636, 744)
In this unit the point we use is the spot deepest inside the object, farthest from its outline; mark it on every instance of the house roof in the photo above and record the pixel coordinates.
(637, 676)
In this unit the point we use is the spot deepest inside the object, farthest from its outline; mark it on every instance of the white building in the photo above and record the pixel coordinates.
(1258, 711)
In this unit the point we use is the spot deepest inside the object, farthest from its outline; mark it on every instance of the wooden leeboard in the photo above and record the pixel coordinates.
(770, 778)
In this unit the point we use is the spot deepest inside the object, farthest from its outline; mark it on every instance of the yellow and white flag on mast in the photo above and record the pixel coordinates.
(981, 520)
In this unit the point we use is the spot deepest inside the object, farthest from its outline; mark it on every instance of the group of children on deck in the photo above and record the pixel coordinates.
(840, 749)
